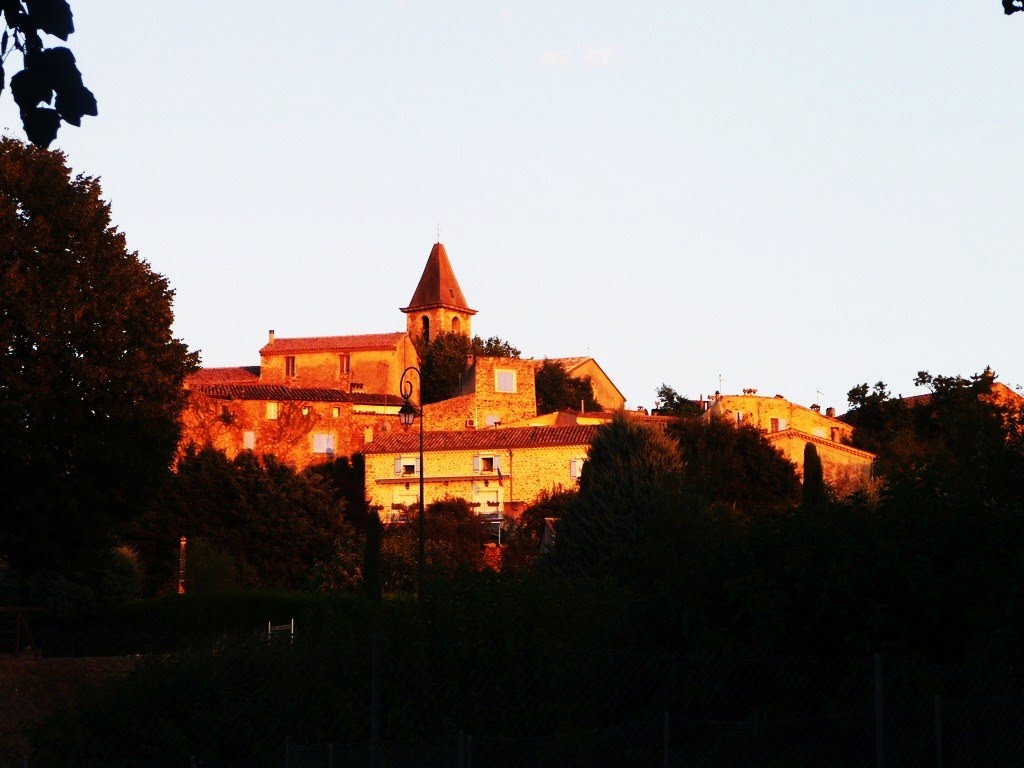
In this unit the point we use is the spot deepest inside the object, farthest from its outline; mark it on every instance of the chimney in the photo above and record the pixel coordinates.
(816, 408)
(830, 412)
(270, 333)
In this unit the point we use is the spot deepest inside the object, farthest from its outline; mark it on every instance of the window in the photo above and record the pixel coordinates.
(576, 468)
(336, 412)
(407, 465)
(486, 463)
(504, 380)
(344, 364)
(456, 325)
(248, 440)
(323, 442)
(739, 417)
(272, 410)
(305, 410)
(778, 425)
(491, 420)
(289, 367)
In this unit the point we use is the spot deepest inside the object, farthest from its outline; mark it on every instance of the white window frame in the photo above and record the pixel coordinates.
(248, 440)
(500, 373)
(402, 462)
(272, 410)
(479, 461)
(576, 467)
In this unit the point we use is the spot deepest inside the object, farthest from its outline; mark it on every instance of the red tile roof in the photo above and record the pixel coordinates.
(274, 392)
(234, 375)
(306, 394)
(437, 286)
(361, 342)
(483, 439)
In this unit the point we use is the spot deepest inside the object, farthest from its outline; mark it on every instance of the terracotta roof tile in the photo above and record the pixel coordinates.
(274, 392)
(483, 439)
(437, 285)
(366, 341)
(240, 374)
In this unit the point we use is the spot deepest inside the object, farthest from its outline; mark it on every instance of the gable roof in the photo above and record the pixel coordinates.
(306, 394)
(360, 342)
(438, 286)
(773, 437)
(483, 439)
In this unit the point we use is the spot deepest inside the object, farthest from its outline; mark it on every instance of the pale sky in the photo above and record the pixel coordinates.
(797, 196)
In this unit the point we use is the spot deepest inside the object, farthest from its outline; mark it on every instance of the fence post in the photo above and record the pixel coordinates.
(375, 663)
(938, 731)
(666, 738)
(879, 713)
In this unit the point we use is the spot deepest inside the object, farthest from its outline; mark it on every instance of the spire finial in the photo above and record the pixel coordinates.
(439, 232)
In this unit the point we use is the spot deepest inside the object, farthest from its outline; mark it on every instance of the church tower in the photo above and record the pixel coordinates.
(438, 305)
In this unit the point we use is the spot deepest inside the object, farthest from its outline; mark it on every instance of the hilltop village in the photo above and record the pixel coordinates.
(312, 399)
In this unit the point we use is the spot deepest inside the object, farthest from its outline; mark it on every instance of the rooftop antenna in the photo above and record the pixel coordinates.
(720, 382)
(439, 232)
(820, 395)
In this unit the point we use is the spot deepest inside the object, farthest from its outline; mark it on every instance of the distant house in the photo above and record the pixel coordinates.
(789, 427)
(496, 470)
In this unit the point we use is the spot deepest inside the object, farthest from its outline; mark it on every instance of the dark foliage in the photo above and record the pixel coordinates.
(278, 528)
(671, 403)
(627, 480)
(455, 541)
(346, 478)
(814, 490)
(733, 468)
(46, 72)
(557, 390)
(371, 556)
(90, 376)
(443, 361)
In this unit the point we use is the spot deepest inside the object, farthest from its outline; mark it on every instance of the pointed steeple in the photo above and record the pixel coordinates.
(438, 302)
(438, 286)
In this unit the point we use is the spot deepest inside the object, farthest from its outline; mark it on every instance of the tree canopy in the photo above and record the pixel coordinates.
(46, 72)
(90, 375)
(557, 390)
(443, 361)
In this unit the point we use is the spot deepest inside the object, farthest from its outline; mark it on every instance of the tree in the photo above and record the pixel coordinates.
(671, 403)
(443, 361)
(557, 390)
(46, 72)
(814, 494)
(627, 480)
(733, 468)
(281, 528)
(1012, 6)
(90, 375)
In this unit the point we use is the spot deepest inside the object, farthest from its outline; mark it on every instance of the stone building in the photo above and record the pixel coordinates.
(789, 427)
(313, 398)
(496, 470)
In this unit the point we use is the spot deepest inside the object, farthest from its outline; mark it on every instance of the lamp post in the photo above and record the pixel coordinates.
(407, 415)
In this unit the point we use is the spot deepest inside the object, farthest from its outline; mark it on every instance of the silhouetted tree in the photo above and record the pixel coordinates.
(371, 556)
(671, 403)
(628, 478)
(281, 528)
(1012, 6)
(814, 495)
(732, 467)
(90, 375)
(46, 72)
(557, 390)
(443, 361)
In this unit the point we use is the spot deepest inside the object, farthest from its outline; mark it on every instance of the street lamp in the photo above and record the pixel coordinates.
(407, 415)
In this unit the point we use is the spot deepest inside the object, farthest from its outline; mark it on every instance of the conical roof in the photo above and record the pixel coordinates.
(438, 286)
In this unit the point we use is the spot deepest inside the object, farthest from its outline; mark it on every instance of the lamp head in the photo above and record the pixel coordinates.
(407, 414)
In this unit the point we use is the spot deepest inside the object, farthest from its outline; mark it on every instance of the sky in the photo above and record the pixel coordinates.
(796, 197)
